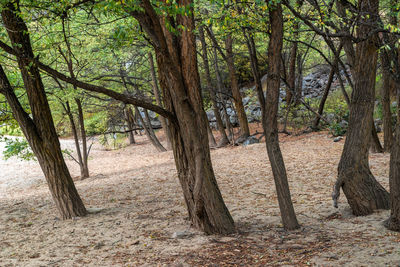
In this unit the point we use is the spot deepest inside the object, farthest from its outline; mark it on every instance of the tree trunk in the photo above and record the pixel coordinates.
(220, 125)
(324, 97)
(130, 120)
(364, 194)
(146, 124)
(385, 96)
(85, 152)
(270, 124)
(39, 131)
(75, 134)
(179, 79)
(393, 223)
(375, 146)
(237, 97)
(156, 92)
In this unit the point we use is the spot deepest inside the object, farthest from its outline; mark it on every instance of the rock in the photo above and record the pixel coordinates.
(246, 100)
(181, 235)
(251, 140)
(210, 115)
(94, 210)
(343, 124)
(337, 139)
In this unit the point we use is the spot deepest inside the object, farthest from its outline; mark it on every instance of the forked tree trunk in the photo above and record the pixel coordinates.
(270, 124)
(39, 131)
(237, 97)
(220, 125)
(179, 79)
(364, 194)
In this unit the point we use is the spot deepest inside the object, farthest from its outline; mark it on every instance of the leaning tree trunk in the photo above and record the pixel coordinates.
(39, 131)
(146, 124)
(364, 194)
(180, 82)
(270, 124)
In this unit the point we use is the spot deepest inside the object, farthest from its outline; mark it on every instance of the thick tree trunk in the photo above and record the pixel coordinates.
(237, 97)
(220, 125)
(130, 121)
(364, 194)
(85, 167)
(270, 124)
(39, 131)
(179, 79)
(156, 92)
(393, 223)
(385, 96)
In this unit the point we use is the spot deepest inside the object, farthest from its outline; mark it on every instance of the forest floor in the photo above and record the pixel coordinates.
(141, 219)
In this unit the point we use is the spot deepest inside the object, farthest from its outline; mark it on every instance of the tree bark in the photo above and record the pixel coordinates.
(385, 96)
(364, 194)
(179, 79)
(270, 124)
(237, 97)
(39, 131)
(156, 92)
(130, 120)
(220, 125)
(393, 222)
(85, 152)
(146, 124)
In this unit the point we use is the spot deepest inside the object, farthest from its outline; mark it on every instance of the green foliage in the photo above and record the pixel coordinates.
(17, 148)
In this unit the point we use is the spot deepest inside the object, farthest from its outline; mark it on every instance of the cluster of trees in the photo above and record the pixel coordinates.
(74, 56)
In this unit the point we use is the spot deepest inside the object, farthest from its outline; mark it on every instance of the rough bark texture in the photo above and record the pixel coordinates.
(270, 124)
(39, 130)
(179, 80)
(156, 92)
(220, 125)
(393, 223)
(364, 194)
(237, 97)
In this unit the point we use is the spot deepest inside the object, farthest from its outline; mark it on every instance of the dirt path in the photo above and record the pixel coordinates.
(142, 217)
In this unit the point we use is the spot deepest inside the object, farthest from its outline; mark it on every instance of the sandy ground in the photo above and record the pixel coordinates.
(142, 207)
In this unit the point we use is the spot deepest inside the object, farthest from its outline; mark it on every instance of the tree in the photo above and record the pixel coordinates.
(364, 194)
(38, 130)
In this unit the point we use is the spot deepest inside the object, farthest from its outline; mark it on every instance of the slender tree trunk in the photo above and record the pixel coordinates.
(375, 146)
(237, 97)
(75, 134)
(324, 97)
(156, 92)
(270, 124)
(211, 138)
(220, 125)
(299, 83)
(385, 96)
(146, 124)
(39, 131)
(131, 124)
(85, 167)
(179, 79)
(364, 194)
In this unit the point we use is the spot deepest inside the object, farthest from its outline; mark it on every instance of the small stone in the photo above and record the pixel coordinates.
(337, 139)
(181, 235)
